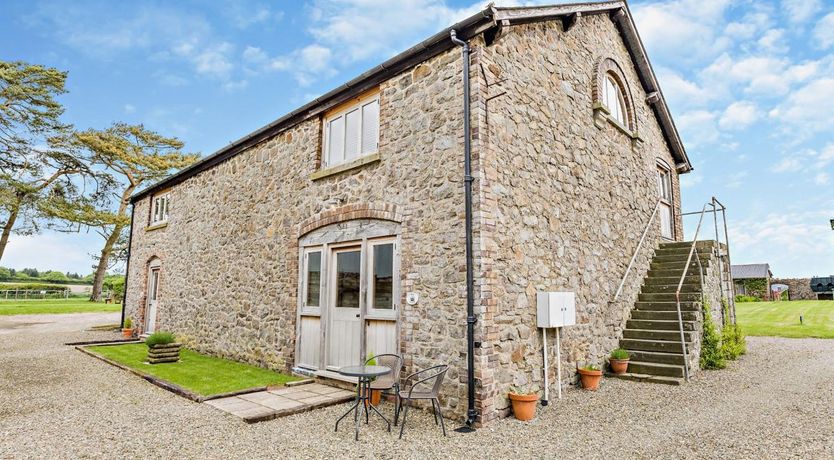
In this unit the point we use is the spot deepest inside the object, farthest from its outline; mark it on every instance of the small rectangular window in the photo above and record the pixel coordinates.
(382, 278)
(313, 280)
(352, 131)
(159, 208)
(347, 279)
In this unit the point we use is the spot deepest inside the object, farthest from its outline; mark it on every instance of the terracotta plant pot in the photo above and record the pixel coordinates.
(590, 379)
(376, 396)
(618, 366)
(524, 406)
(127, 333)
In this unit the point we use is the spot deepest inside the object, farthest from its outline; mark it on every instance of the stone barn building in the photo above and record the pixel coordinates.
(339, 230)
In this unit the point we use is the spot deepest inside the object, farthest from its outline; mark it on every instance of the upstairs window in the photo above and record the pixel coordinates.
(612, 98)
(159, 208)
(352, 131)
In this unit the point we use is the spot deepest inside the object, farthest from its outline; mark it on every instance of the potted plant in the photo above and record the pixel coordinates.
(162, 348)
(127, 328)
(618, 361)
(590, 376)
(524, 403)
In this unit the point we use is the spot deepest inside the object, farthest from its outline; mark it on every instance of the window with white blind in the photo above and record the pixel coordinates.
(352, 132)
(159, 208)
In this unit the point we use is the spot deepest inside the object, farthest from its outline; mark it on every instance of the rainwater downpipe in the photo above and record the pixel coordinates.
(127, 266)
(471, 413)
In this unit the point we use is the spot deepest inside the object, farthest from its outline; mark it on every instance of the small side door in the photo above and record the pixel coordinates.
(664, 191)
(153, 299)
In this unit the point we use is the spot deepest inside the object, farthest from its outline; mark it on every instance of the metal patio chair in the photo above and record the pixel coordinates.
(390, 382)
(423, 384)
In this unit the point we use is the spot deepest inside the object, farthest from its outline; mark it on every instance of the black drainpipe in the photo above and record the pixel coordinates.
(127, 265)
(471, 413)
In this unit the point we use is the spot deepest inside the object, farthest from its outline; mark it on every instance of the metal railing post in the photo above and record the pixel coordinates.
(692, 251)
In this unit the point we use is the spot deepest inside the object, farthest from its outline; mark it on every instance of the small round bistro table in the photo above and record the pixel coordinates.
(363, 393)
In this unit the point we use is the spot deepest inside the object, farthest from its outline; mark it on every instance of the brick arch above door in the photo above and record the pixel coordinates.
(379, 211)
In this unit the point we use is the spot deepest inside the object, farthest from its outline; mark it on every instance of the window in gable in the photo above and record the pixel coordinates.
(351, 132)
(159, 208)
(612, 98)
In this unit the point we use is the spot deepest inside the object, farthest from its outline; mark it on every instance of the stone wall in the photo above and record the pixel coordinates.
(798, 288)
(559, 204)
(568, 200)
(230, 249)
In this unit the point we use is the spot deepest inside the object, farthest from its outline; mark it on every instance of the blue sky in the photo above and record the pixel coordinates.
(750, 85)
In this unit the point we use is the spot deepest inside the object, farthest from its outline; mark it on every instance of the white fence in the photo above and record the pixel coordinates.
(25, 294)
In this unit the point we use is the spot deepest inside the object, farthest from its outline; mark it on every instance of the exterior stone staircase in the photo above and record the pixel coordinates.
(652, 335)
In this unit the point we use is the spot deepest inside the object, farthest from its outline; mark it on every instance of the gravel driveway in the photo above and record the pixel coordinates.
(777, 402)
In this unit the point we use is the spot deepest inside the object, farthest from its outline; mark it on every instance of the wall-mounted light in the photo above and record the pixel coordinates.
(832, 224)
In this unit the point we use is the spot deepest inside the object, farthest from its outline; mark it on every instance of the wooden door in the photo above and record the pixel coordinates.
(345, 308)
(153, 300)
(664, 190)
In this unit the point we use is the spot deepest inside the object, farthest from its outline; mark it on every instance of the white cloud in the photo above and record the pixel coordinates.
(824, 31)
(822, 178)
(739, 115)
(805, 110)
(797, 244)
(254, 55)
(214, 60)
(698, 127)
(773, 41)
(129, 108)
(680, 92)
(682, 29)
(800, 11)
(736, 180)
(788, 164)
(691, 180)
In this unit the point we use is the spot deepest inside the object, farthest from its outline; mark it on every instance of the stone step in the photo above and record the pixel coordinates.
(668, 306)
(660, 325)
(648, 378)
(656, 357)
(655, 272)
(664, 315)
(687, 244)
(678, 266)
(652, 345)
(663, 370)
(649, 288)
(669, 297)
(672, 280)
(648, 334)
(679, 258)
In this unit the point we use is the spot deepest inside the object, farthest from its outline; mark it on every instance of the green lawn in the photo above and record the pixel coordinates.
(200, 374)
(782, 318)
(49, 306)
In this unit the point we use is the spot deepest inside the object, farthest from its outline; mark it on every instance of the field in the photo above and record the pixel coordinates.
(781, 319)
(201, 374)
(51, 306)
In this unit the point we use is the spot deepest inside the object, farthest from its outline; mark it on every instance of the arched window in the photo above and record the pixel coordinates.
(613, 99)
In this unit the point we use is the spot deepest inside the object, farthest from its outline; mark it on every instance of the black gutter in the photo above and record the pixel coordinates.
(127, 265)
(471, 413)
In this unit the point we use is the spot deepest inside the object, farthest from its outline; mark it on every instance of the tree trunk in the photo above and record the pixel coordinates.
(7, 229)
(104, 261)
(107, 251)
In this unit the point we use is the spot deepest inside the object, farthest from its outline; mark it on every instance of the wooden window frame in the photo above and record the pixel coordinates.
(341, 111)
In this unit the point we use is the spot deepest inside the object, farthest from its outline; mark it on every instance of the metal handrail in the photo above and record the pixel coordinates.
(692, 251)
(637, 251)
(730, 285)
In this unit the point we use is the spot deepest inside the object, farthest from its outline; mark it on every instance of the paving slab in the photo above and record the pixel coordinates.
(266, 405)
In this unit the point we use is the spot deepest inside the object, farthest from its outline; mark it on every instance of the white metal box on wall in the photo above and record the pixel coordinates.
(556, 309)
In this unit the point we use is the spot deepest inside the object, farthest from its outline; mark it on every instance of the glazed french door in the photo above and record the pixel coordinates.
(664, 190)
(345, 307)
(153, 300)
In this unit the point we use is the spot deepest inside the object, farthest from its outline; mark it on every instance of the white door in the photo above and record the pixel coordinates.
(345, 298)
(664, 190)
(153, 294)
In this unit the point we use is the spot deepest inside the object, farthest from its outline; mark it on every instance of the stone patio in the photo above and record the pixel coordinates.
(270, 404)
